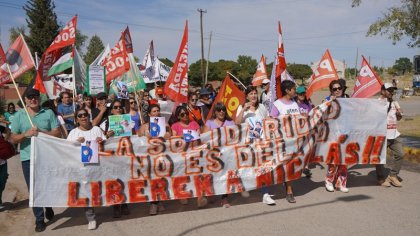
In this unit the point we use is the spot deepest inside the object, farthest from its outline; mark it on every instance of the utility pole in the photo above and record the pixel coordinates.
(355, 66)
(202, 42)
(208, 58)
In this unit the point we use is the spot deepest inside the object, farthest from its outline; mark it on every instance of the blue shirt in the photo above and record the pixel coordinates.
(64, 110)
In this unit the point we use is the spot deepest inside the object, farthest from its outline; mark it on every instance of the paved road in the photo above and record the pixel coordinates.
(367, 210)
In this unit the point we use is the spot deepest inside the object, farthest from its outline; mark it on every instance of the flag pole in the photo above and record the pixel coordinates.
(236, 79)
(74, 82)
(20, 97)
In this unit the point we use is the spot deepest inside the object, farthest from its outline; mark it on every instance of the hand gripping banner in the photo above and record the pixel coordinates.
(225, 160)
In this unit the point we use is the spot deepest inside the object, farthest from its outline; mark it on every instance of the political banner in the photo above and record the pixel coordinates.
(96, 79)
(224, 160)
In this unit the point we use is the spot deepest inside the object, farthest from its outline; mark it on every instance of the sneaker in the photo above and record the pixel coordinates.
(245, 194)
(329, 186)
(92, 225)
(40, 226)
(117, 211)
(49, 213)
(124, 209)
(153, 209)
(384, 183)
(344, 189)
(161, 207)
(268, 200)
(184, 201)
(307, 172)
(394, 181)
(201, 202)
(290, 198)
(225, 203)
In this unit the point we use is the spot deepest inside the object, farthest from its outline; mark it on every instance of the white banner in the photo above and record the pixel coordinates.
(225, 160)
(156, 72)
(96, 79)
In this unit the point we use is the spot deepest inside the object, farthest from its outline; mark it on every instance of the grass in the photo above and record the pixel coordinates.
(410, 126)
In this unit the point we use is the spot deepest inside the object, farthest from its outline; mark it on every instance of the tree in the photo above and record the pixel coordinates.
(403, 65)
(42, 24)
(299, 71)
(245, 68)
(194, 74)
(398, 22)
(167, 62)
(94, 48)
(80, 40)
(14, 32)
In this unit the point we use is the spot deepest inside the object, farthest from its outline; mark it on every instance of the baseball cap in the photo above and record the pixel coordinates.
(101, 95)
(204, 91)
(300, 89)
(32, 92)
(266, 81)
(388, 86)
(159, 90)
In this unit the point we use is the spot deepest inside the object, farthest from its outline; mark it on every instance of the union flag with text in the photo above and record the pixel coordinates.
(367, 83)
(323, 74)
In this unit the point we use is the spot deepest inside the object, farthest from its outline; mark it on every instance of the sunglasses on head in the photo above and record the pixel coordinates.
(117, 107)
(81, 115)
(30, 97)
(337, 89)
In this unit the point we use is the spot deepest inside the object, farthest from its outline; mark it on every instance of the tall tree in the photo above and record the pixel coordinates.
(80, 40)
(398, 22)
(245, 68)
(403, 65)
(299, 71)
(42, 24)
(94, 48)
(14, 33)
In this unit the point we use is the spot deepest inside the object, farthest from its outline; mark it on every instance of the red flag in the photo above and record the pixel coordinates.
(176, 86)
(281, 63)
(231, 96)
(127, 40)
(18, 58)
(323, 75)
(2, 56)
(65, 38)
(261, 73)
(368, 83)
(116, 62)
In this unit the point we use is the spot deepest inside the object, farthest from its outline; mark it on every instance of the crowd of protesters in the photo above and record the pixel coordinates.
(87, 119)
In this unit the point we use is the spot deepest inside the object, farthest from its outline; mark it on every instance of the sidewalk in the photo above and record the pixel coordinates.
(367, 209)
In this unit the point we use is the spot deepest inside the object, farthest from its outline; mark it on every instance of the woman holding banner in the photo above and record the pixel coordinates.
(337, 173)
(85, 131)
(253, 112)
(219, 118)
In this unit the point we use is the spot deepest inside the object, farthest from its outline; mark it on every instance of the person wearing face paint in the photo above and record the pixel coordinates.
(337, 173)
(394, 143)
(85, 131)
(45, 121)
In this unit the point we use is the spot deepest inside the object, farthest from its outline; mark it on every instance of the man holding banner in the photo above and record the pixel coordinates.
(43, 121)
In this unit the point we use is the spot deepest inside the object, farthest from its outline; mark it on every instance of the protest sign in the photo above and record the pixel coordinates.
(89, 152)
(120, 124)
(224, 161)
(96, 79)
(157, 126)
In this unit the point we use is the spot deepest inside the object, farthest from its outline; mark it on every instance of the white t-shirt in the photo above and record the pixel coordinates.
(391, 123)
(91, 134)
(61, 120)
(259, 114)
(289, 108)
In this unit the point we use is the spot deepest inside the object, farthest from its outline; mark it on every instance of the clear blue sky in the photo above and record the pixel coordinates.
(240, 27)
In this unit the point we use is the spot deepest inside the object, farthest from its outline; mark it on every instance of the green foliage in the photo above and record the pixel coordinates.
(398, 22)
(194, 74)
(14, 33)
(391, 71)
(245, 68)
(350, 73)
(94, 48)
(403, 65)
(136, 59)
(42, 24)
(80, 40)
(167, 62)
(299, 71)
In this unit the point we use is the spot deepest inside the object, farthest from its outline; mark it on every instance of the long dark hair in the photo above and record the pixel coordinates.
(248, 90)
(219, 107)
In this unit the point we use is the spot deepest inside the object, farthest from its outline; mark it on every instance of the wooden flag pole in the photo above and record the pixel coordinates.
(237, 80)
(20, 97)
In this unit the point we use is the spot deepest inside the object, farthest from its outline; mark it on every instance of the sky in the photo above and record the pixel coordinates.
(239, 27)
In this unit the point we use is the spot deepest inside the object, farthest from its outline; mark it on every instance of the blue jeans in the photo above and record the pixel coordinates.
(38, 211)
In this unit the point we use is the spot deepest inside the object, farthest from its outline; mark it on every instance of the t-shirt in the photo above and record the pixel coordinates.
(259, 114)
(64, 109)
(9, 117)
(135, 120)
(211, 124)
(195, 114)
(265, 99)
(91, 134)
(282, 107)
(304, 108)
(391, 132)
(45, 120)
(178, 128)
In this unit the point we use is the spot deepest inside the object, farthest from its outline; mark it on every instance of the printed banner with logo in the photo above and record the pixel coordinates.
(225, 160)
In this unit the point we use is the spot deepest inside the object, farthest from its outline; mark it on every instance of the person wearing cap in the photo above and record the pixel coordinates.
(266, 95)
(160, 94)
(45, 121)
(205, 101)
(100, 114)
(393, 138)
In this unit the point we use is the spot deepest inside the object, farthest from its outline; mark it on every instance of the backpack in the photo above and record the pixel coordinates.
(6, 149)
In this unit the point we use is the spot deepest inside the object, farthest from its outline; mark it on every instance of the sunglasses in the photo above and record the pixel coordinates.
(145, 95)
(132, 102)
(117, 107)
(221, 110)
(31, 97)
(337, 89)
(182, 114)
(81, 115)
(194, 100)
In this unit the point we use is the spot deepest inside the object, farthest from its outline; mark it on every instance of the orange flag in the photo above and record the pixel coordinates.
(261, 73)
(281, 63)
(176, 86)
(368, 83)
(230, 95)
(323, 75)
(19, 59)
(116, 62)
(2, 56)
(65, 38)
